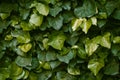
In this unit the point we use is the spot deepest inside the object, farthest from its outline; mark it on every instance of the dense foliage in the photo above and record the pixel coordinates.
(60, 39)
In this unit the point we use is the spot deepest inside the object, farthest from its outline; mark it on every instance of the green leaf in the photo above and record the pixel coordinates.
(73, 70)
(4, 15)
(4, 73)
(116, 14)
(94, 20)
(105, 41)
(95, 65)
(24, 13)
(66, 58)
(25, 47)
(41, 8)
(112, 68)
(56, 22)
(66, 5)
(50, 55)
(61, 75)
(90, 47)
(88, 9)
(57, 41)
(3, 25)
(82, 53)
(23, 61)
(54, 64)
(110, 6)
(44, 75)
(36, 19)
(55, 10)
(26, 26)
(45, 43)
(76, 23)
(86, 25)
(15, 70)
(116, 39)
(22, 37)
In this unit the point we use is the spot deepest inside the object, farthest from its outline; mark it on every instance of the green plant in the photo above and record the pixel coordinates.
(60, 39)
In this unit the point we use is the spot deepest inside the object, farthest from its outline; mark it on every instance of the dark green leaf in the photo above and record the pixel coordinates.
(56, 22)
(87, 10)
(23, 61)
(112, 68)
(66, 58)
(55, 10)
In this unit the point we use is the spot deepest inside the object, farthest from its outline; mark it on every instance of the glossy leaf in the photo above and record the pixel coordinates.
(95, 65)
(88, 9)
(36, 19)
(57, 41)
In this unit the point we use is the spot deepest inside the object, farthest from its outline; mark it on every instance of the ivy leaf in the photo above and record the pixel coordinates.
(50, 55)
(116, 39)
(23, 61)
(86, 24)
(44, 75)
(55, 10)
(90, 47)
(24, 13)
(25, 47)
(61, 75)
(56, 22)
(105, 41)
(36, 19)
(112, 68)
(66, 58)
(22, 37)
(116, 14)
(73, 70)
(95, 65)
(57, 41)
(3, 25)
(76, 23)
(110, 6)
(87, 10)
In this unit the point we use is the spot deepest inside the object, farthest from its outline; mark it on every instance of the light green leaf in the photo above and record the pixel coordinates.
(57, 41)
(86, 25)
(91, 47)
(25, 47)
(76, 23)
(88, 9)
(105, 41)
(4, 15)
(22, 36)
(116, 39)
(41, 8)
(45, 43)
(95, 65)
(36, 19)
(94, 20)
